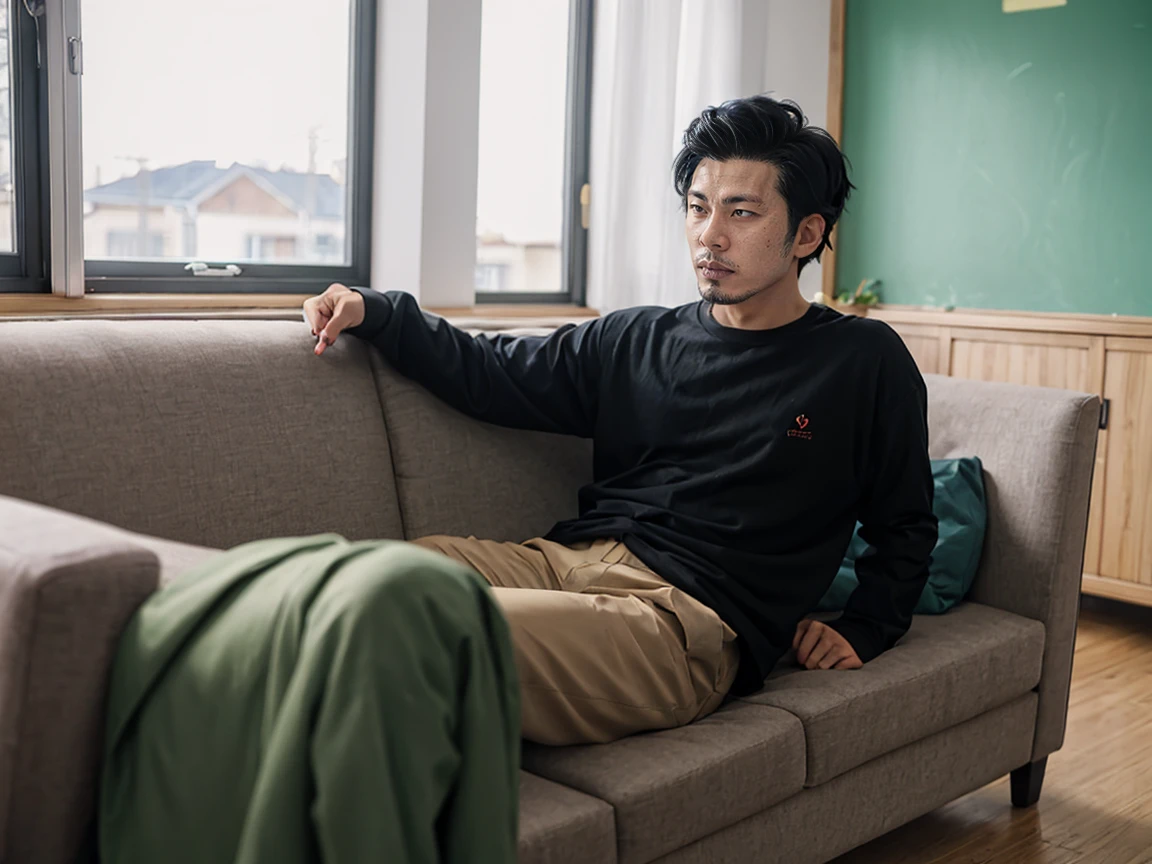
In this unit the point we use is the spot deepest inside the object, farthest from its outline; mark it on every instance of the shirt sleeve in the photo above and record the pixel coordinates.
(542, 383)
(896, 515)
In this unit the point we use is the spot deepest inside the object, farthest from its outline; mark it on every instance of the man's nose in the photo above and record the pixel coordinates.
(713, 236)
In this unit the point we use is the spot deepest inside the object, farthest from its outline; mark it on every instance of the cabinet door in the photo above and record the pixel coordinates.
(1126, 549)
(928, 346)
(1064, 360)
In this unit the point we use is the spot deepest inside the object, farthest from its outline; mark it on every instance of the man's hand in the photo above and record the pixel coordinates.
(818, 646)
(331, 313)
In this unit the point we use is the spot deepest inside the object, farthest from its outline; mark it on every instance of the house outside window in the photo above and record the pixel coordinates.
(126, 243)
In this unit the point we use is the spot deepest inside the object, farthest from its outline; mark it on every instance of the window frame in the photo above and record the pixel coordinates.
(25, 270)
(124, 276)
(577, 148)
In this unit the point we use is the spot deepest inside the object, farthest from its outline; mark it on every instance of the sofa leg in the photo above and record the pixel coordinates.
(1026, 782)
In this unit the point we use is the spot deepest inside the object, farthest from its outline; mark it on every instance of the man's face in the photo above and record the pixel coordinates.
(737, 228)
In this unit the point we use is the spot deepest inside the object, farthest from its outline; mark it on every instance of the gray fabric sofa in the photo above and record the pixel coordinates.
(130, 450)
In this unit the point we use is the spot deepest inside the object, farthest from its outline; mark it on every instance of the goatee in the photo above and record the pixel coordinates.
(713, 293)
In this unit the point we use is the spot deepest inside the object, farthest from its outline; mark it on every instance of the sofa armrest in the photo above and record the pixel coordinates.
(68, 586)
(1038, 446)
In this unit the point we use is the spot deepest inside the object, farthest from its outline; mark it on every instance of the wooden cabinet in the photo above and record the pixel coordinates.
(1126, 544)
(1075, 353)
(930, 346)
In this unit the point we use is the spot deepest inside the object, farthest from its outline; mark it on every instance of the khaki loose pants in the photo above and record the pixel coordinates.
(604, 647)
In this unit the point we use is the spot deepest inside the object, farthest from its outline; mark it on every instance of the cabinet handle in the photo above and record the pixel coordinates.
(1105, 410)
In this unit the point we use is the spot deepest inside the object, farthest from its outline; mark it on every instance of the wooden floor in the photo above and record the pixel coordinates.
(1096, 805)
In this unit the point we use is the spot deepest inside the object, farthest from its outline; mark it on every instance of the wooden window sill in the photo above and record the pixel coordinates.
(245, 305)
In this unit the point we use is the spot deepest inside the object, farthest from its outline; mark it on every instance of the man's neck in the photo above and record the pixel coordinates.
(769, 309)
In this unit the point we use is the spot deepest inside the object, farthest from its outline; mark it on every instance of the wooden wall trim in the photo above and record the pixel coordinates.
(835, 121)
(835, 126)
(994, 319)
(1127, 343)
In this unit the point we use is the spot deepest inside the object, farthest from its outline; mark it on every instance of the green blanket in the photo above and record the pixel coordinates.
(314, 700)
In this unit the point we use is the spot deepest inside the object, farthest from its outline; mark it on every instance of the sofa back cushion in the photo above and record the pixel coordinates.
(455, 475)
(208, 432)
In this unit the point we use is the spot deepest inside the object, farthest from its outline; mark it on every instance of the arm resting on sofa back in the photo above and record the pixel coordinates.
(68, 587)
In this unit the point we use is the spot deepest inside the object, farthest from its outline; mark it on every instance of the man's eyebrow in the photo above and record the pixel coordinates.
(731, 199)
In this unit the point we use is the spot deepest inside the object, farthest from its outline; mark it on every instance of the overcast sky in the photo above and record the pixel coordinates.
(245, 80)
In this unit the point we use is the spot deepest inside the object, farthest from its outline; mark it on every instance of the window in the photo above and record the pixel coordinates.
(233, 138)
(533, 153)
(21, 82)
(246, 141)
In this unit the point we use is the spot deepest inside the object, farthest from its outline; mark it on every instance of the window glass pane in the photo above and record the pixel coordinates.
(520, 189)
(7, 164)
(217, 130)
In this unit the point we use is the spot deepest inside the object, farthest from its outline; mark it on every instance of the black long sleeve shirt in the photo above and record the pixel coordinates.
(734, 463)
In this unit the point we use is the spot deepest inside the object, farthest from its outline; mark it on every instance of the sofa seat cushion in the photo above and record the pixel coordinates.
(947, 669)
(671, 787)
(559, 825)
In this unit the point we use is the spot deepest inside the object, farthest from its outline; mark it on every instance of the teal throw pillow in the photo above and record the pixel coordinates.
(960, 505)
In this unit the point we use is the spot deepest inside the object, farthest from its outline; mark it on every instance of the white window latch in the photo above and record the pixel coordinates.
(75, 55)
(199, 268)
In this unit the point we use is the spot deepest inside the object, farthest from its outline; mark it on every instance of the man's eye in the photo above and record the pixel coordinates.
(747, 212)
(695, 208)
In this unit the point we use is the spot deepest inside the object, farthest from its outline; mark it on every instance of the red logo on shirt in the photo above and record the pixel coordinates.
(801, 430)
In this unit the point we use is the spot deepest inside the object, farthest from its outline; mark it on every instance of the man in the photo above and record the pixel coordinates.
(737, 441)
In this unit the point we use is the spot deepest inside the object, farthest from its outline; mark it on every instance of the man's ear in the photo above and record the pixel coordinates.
(809, 234)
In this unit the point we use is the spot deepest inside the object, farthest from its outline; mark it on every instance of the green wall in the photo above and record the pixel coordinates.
(1004, 161)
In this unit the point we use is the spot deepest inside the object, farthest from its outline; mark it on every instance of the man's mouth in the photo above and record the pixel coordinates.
(714, 270)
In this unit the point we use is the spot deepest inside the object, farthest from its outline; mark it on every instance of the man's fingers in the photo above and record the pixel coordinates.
(819, 652)
(317, 311)
(342, 317)
(310, 313)
(819, 646)
(323, 320)
(836, 654)
(321, 314)
(800, 630)
(808, 642)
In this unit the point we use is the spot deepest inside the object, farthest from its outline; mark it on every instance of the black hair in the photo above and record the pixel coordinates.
(812, 172)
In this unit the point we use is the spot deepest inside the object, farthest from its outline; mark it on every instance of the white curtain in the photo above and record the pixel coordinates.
(656, 65)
